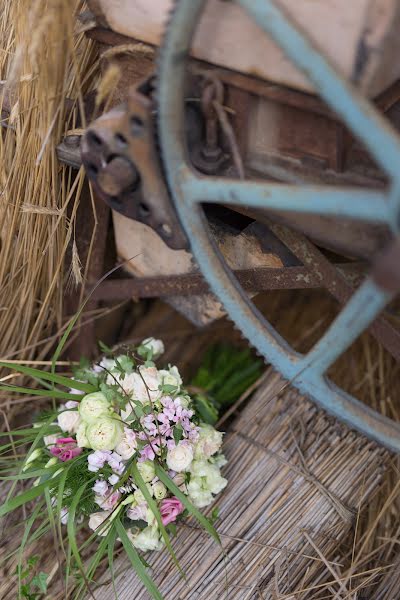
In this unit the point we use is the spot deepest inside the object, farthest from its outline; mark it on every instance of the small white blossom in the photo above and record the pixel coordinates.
(209, 441)
(148, 539)
(156, 346)
(100, 487)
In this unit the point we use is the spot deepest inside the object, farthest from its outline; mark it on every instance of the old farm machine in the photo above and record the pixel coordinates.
(253, 145)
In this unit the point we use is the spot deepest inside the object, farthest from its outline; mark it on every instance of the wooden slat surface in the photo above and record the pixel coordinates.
(296, 479)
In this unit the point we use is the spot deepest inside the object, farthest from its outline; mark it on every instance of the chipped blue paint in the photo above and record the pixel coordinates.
(189, 190)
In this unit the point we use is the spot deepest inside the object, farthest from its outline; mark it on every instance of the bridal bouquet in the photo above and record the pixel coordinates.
(127, 454)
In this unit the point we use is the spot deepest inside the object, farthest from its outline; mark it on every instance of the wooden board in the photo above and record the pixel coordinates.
(358, 36)
(294, 476)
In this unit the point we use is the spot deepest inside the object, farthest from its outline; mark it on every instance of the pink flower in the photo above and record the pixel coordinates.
(97, 459)
(170, 508)
(65, 449)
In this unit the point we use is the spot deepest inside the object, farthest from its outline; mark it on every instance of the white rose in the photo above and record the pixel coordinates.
(209, 442)
(180, 457)
(147, 539)
(69, 420)
(159, 490)
(199, 496)
(156, 346)
(81, 438)
(171, 377)
(96, 519)
(147, 470)
(93, 406)
(127, 446)
(105, 433)
(146, 384)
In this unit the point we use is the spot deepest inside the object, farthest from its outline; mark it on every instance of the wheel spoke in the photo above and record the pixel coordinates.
(361, 310)
(358, 114)
(353, 203)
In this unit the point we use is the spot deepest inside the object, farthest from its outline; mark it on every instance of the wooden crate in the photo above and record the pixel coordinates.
(360, 37)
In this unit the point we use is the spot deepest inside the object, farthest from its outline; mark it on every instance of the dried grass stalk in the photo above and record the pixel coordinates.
(43, 61)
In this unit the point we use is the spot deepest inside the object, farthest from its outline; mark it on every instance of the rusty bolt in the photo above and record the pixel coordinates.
(118, 175)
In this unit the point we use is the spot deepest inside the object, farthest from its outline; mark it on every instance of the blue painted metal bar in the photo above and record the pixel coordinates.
(358, 314)
(366, 205)
(357, 112)
(362, 119)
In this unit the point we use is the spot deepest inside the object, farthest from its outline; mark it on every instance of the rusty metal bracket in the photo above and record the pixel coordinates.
(120, 157)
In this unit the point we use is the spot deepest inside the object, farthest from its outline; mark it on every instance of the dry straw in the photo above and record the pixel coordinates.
(43, 62)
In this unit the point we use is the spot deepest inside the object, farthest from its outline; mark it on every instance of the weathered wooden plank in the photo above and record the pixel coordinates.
(294, 476)
(359, 36)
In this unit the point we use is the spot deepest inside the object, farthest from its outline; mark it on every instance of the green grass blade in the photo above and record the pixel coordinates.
(53, 377)
(162, 475)
(154, 509)
(26, 496)
(136, 562)
(110, 552)
(43, 393)
(25, 538)
(71, 530)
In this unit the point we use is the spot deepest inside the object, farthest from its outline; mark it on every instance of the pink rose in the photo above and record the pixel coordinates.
(170, 508)
(65, 449)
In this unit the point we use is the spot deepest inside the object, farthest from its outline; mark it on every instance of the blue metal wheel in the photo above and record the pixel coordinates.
(189, 190)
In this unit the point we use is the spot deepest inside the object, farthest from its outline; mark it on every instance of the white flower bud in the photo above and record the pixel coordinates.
(159, 490)
(147, 470)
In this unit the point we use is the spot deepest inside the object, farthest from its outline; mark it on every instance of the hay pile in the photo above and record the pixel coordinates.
(46, 67)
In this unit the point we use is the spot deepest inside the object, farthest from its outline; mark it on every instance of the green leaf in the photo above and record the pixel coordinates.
(71, 530)
(136, 562)
(40, 581)
(42, 393)
(214, 514)
(205, 409)
(154, 509)
(167, 481)
(168, 388)
(178, 433)
(60, 379)
(110, 551)
(104, 348)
